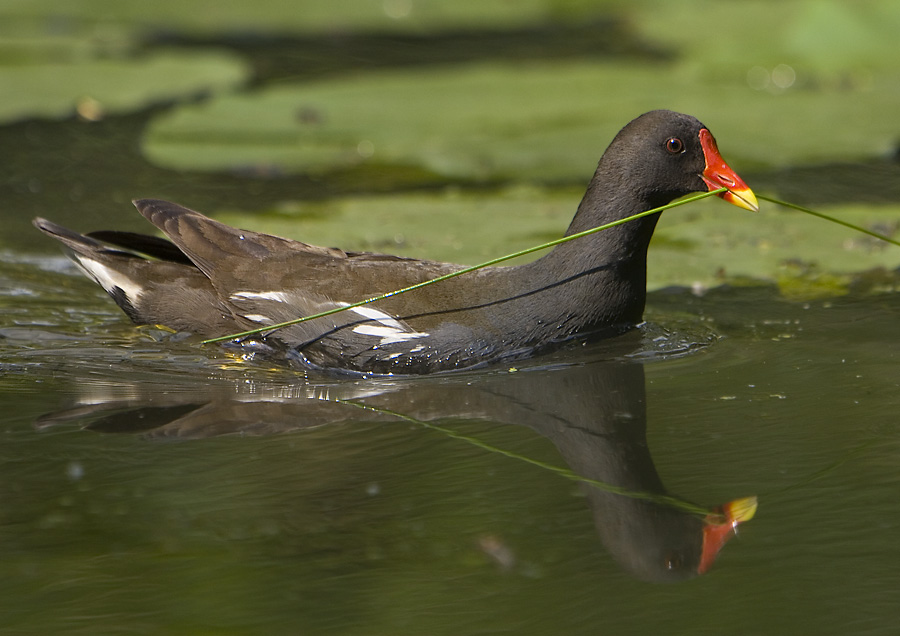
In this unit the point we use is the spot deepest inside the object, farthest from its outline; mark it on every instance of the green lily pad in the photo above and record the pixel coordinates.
(825, 42)
(705, 244)
(95, 87)
(701, 245)
(541, 122)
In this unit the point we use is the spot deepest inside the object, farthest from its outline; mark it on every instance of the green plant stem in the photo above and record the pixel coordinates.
(466, 270)
(858, 228)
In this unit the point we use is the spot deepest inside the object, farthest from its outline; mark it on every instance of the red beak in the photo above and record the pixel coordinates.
(720, 525)
(719, 175)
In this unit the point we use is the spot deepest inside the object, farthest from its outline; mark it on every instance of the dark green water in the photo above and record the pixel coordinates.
(208, 495)
(149, 485)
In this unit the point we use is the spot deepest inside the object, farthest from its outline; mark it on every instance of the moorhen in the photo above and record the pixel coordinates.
(214, 280)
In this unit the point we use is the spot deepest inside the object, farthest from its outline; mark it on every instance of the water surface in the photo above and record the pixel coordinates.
(153, 485)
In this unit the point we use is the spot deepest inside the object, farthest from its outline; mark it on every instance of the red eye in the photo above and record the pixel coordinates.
(674, 145)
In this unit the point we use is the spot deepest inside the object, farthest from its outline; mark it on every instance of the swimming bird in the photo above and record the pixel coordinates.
(212, 280)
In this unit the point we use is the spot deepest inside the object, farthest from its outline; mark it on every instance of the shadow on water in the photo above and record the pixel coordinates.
(88, 173)
(594, 413)
(277, 59)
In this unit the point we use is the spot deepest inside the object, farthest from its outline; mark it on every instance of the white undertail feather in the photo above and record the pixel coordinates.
(109, 279)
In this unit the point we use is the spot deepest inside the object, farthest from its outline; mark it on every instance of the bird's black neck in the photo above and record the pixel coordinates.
(599, 279)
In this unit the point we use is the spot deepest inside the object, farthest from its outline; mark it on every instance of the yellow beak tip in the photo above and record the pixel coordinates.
(743, 199)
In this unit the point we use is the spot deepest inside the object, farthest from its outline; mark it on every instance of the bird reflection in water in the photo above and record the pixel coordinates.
(598, 427)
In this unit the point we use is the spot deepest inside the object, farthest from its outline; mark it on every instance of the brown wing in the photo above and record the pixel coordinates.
(266, 279)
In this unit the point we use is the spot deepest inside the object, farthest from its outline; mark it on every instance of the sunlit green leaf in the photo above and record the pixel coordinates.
(536, 121)
(97, 87)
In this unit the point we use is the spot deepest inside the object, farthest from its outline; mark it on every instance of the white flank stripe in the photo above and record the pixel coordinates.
(385, 319)
(388, 335)
(109, 278)
(257, 318)
(277, 296)
(389, 329)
